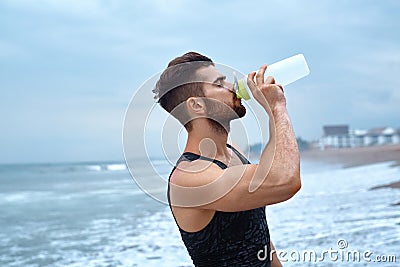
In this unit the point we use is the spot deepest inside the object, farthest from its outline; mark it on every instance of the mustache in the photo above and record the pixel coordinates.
(234, 96)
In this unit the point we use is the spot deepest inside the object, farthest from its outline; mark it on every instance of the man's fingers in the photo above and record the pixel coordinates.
(260, 75)
(270, 80)
(250, 81)
(280, 86)
(251, 76)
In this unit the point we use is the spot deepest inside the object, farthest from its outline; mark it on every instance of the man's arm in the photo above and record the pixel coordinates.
(275, 179)
(281, 155)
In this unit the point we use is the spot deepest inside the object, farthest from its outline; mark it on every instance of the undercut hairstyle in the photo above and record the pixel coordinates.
(178, 83)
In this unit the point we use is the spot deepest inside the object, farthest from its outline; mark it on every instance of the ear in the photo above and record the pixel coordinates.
(195, 105)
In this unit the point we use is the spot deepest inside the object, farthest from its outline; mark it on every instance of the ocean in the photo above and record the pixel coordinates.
(94, 214)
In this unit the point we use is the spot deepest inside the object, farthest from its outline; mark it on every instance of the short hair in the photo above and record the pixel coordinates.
(177, 83)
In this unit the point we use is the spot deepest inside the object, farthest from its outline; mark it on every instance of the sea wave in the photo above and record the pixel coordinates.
(63, 167)
(106, 167)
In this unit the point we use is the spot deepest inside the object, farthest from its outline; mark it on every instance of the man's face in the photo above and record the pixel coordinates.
(221, 101)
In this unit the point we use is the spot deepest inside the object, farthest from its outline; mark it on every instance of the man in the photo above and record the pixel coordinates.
(216, 195)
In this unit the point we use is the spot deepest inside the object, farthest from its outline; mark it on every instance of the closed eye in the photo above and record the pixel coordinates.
(220, 81)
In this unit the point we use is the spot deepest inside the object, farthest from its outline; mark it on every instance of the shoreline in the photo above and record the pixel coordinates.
(359, 156)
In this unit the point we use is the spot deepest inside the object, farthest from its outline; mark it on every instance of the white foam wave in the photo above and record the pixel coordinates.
(107, 167)
(116, 167)
(94, 167)
(25, 196)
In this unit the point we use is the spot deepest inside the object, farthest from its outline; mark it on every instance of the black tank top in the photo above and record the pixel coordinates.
(230, 238)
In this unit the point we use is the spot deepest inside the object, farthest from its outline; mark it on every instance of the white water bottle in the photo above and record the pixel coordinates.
(284, 72)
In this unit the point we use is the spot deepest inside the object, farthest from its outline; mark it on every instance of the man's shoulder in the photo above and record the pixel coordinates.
(194, 173)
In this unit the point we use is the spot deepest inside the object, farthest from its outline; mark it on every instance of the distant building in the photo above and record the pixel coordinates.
(396, 137)
(335, 136)
(379, 136)
(338, 136)
(359, 137)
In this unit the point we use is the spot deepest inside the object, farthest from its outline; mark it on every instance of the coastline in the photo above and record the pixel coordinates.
(352, 157)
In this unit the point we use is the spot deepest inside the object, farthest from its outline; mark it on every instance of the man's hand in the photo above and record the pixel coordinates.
(267, 93)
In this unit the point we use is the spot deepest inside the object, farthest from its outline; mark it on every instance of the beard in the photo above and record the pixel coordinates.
(219, 114)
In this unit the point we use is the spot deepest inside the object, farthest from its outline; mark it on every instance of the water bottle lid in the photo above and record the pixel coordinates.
(240, 88)
(242, 92)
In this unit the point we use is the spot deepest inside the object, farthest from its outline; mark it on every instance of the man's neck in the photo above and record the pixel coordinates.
(205, 140)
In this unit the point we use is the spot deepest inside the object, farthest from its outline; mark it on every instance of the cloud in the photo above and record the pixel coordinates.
(84, 9)
(87, 59)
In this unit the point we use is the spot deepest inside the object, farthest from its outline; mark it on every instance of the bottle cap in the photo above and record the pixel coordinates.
(240, 88)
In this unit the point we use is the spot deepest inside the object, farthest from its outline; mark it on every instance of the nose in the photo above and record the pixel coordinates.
(231, 87)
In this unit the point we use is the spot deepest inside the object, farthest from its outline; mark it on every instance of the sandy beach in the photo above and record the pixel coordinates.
(351, 157)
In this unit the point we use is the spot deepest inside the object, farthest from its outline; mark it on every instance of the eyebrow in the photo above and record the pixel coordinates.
(220, 78)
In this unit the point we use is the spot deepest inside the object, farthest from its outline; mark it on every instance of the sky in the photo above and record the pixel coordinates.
(68, 69)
